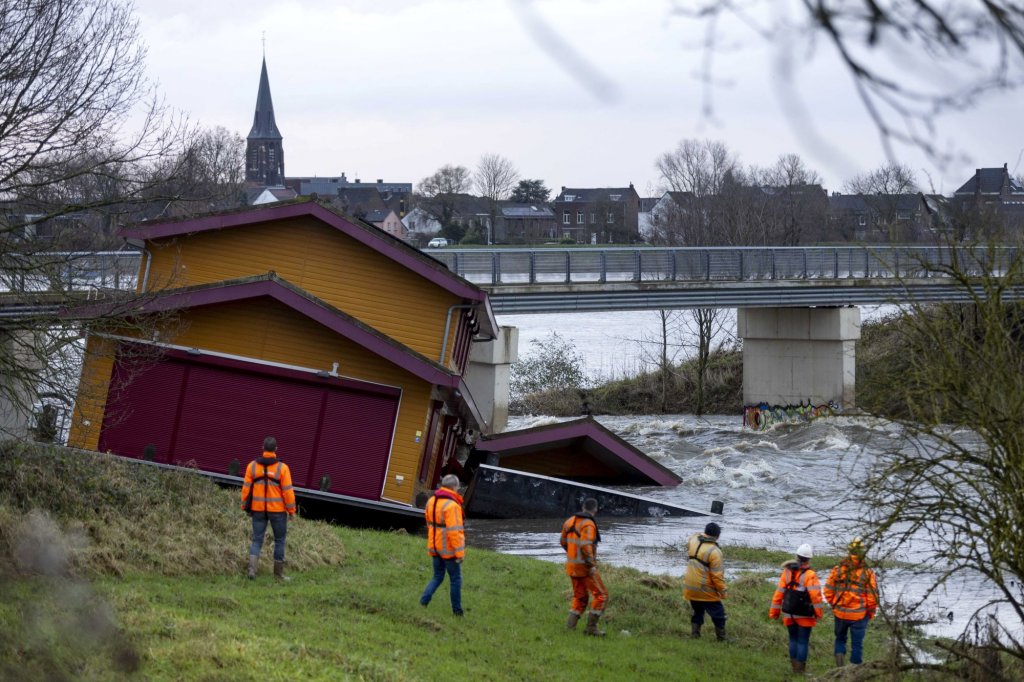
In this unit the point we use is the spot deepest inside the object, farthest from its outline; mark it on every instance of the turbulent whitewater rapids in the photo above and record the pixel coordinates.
(779, 487)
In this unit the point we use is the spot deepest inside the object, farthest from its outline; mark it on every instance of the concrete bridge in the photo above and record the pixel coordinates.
(796, 306)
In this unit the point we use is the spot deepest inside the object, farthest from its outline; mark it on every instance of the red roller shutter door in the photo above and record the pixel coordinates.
(356, 427)
(228, 412)
(141, 406)
(199, 411)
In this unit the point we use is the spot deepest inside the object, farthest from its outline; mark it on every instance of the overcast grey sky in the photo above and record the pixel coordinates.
(394, 89)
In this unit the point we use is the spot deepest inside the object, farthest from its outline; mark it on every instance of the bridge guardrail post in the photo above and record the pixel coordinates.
(896, 264)
(533, 267)
(740, 254)
(604, 267)
(675, 269)
(637, 266)
(772, 253)
(707, 265)
(455, 264)
(804, 253)
(568, 267)
(495, 268)
(835, 263)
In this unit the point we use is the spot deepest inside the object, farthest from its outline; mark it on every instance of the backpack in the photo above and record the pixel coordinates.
(266, 478)
(796, 602)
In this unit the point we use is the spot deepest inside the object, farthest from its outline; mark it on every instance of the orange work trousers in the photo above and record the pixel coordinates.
(585, 586)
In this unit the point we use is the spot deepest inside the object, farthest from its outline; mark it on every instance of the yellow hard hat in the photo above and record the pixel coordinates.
(857, 547)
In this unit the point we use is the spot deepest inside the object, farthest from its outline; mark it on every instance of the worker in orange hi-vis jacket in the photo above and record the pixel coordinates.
(799, 601)
(852, 592)
(446, 540)
(268, 496)
(579, 539)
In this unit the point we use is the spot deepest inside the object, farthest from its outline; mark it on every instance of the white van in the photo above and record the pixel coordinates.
(437, 243)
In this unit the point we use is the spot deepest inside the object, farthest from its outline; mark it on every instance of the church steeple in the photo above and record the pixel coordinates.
(263, 151)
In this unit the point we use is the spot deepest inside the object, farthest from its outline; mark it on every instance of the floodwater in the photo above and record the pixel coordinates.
(780, 487)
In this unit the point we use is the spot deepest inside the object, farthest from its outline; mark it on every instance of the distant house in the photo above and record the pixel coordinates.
(993, 194)
(879, 217)
(644, 227)
(524, 223)
(665, 223)
(330, 186)
(466, 211)
(420, 223)
(601, 215)
(387, 220)
(268, 195)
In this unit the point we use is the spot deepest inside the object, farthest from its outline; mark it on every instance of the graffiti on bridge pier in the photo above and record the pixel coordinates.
(760, 417)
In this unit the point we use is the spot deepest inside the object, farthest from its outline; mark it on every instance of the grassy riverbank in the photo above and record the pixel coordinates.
(108, 573)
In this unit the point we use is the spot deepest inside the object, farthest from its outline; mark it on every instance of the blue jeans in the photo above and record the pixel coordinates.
(714, 609)
(278, 524)
(857, 630)
(454, 570)
(799, 642)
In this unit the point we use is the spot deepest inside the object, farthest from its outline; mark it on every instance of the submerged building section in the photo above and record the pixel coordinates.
(547, 471)
(580, 450)
(501, 493)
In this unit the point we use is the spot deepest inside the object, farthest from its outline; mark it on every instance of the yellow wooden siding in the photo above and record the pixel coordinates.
(321, 260)
(87, 418)
(267, 330)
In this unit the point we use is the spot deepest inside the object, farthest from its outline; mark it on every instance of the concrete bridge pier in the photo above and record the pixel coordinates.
(792, 355)
(17, 394)
(487, 376)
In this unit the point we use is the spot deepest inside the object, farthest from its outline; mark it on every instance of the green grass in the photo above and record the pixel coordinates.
(85, 596)
(361, 620)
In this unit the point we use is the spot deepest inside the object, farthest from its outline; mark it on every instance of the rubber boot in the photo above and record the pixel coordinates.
(591, 629)
(254, 561)
(796, 665)
(840, 660)
(720, 634)
(695, 630)
(573, 619)
(279, 571)
(800, 667)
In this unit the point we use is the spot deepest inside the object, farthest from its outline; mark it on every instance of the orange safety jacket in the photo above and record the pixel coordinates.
(579, 540)
(705, 576)
(446, 535)
(269, 481)
(806, 579)
(852, 590)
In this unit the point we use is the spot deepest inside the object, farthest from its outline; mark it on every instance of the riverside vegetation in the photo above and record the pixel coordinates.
(556, 384)
(116, 570)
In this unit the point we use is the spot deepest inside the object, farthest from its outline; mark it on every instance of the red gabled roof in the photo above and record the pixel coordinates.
(368, 235)
(609, 448)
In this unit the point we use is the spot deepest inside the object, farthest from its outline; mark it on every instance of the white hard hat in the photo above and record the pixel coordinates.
(805, 550)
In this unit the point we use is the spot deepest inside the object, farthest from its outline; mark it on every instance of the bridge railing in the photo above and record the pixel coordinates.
(714, 264)
(68, 271)
(518, 266)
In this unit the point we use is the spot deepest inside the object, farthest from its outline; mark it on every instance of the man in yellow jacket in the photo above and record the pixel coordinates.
(579, 540)
(704, 581)
(852, 592)
(268, 496)
(446, 540)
